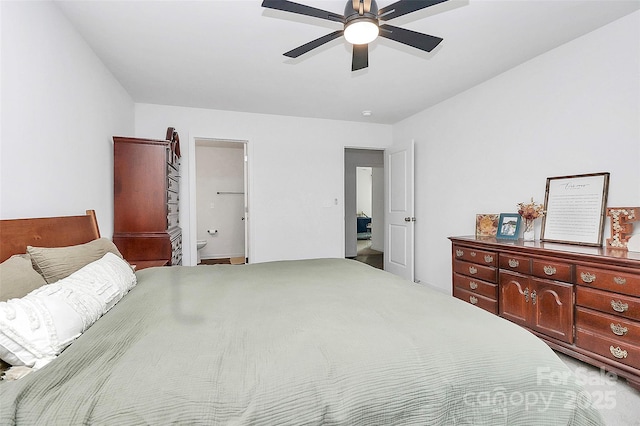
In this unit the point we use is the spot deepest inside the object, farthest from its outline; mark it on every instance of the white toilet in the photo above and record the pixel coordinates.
(200, 244)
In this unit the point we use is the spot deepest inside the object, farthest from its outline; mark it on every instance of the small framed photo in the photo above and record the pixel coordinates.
(508, 226)
(487, 225)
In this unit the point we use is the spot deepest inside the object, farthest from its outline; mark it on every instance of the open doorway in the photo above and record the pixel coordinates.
(364, 206)
(221, 201)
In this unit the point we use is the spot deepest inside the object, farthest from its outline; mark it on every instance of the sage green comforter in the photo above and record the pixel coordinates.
(314, 342)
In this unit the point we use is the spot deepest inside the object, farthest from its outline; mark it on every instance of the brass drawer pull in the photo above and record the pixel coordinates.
(473, 270)
(618, 306)
(549, 270)
(473, 285)
(526, 294)
(459, 253)
(534, 297)
(473, 300)
(488, 258)
(587, 277)
(473, 254)
(619, 280)
(618, 329)
(617, 352)
(513, 263)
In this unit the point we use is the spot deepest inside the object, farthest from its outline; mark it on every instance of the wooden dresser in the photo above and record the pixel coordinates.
(146, 195)
(582, 301)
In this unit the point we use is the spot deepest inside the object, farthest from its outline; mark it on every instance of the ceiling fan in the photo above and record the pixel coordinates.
(361, 22)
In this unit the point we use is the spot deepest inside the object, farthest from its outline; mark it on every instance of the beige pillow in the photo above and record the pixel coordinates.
(57, 263)
(17, 277)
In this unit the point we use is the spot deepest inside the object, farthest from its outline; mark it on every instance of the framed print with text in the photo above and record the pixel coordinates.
(575, 209)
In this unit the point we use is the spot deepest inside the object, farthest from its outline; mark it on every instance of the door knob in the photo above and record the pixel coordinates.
(409, 219)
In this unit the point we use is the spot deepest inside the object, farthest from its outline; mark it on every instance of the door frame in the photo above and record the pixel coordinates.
(371, 161)
(188, 205)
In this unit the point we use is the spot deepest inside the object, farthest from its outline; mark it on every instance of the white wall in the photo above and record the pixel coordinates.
(60, 107)
(572, 110)
(220, 169)
(364, 183)
(296, 174)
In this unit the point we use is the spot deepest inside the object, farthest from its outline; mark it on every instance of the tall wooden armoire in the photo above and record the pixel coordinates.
(146, 181)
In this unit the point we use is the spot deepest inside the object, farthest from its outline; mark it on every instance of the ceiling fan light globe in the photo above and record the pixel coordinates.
(361, 31)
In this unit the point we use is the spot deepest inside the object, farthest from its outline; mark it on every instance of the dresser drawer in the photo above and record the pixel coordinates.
(474, 270)
(172, 197)
(172, 185)
(172, 209)
(176, 250)
(474, 285)
(552, 270)
(488, 258)
(609, 348)
(604, 279)
(622, 329)
(172, 172)
(611, 303)
(173, 220)
(512, 262)
(476, 300)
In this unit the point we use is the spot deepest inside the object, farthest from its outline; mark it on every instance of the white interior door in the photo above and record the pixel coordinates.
(399, 215)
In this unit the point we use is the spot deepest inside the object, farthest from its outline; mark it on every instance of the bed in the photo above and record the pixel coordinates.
(313, 342)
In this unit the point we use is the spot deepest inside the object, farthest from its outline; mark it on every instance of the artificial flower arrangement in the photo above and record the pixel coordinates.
(530, 211)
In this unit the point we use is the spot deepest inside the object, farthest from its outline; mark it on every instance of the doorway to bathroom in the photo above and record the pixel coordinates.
(221, 201)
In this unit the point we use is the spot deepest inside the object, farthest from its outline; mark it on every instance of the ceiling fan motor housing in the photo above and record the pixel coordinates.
(352, 12)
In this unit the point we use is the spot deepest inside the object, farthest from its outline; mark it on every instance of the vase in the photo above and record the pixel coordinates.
(528, 233)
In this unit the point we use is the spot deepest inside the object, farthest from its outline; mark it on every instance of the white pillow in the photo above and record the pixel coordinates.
(37, 327)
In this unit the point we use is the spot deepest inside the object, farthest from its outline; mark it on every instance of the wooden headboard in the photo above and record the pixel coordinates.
(61, 231)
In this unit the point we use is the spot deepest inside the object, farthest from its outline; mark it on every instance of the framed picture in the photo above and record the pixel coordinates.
(575, 209)
(487, 225)
(508, 226)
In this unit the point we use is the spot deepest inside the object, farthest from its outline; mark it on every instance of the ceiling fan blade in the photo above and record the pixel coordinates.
(301, 9)
(313, 44)
(360, 57)
(403, 7)
(410, 38)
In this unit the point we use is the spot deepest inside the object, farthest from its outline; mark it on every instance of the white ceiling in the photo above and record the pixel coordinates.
(228, 54)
